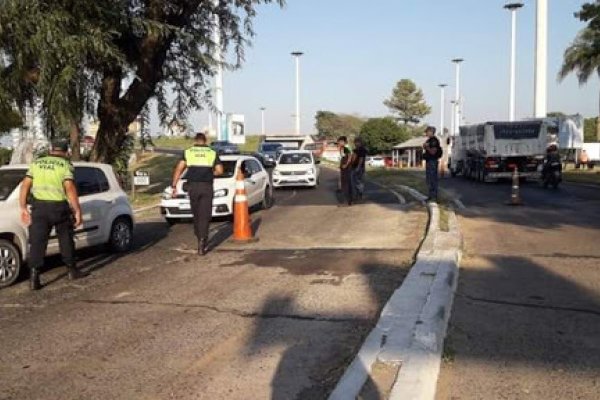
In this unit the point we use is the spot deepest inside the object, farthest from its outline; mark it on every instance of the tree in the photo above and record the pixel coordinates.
(382, 134)
(408, 102)
(330, 125)
(582, 57)
(120, 54)
(9, 119)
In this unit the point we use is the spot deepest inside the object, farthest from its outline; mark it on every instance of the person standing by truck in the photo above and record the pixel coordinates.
(359, 157)
(432, 152)
(55, 204)
(345, 171)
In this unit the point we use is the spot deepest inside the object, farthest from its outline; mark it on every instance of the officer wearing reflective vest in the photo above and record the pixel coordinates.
(202, 164)
(54, 204)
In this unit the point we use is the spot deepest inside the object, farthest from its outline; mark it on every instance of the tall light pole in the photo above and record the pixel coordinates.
(442, 106)
(262, 120)
(218, 57)
(456, 130)
(513, 7)
(541, 59)
(297, 55)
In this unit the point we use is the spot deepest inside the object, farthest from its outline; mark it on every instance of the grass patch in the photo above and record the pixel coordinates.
(181, 143)
(160, 168)
(582, 176)
(396, 177)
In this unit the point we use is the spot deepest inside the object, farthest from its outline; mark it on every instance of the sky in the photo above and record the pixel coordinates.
(356, 50)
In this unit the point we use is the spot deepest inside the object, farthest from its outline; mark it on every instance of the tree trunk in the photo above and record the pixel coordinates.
(74, 137)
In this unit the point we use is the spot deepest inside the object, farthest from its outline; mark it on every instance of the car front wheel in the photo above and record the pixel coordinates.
(121, 235)
(10, 263)
(267, 198)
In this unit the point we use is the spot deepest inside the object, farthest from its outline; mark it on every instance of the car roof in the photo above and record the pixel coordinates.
(290, 151)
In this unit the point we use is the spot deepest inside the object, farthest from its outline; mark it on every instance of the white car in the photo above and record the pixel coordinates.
(296, 168)
(375, 162)
(257, 184)
(106, 213)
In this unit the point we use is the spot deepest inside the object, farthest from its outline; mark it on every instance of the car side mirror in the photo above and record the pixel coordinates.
(247, 173)
(317, 161)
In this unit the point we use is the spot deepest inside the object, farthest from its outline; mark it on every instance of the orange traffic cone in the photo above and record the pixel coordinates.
(242, 229)
(515, 197)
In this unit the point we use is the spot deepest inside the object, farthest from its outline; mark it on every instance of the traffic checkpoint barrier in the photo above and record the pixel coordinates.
(242, 227)
(515, 196)
(409, 335)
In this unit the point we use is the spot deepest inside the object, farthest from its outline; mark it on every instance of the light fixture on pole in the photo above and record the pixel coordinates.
(442, 105)
(456, 113)
(297, 55)
(513, 7)
(541, 59)
(262, 120)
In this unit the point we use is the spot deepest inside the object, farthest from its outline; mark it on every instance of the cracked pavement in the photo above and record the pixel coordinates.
(280, 319)
(526, 317)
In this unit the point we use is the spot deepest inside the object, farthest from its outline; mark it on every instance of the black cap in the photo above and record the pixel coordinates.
(60, 145)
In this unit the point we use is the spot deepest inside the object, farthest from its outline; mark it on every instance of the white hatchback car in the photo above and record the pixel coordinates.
(257, 184)
(106, 212)
(296, 168)
(376, 162)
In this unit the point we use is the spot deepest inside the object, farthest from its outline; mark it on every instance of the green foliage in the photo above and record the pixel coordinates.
(121, 160)
(9, 119)
(582, 57)
(590, 127)
(407, 101)
(5, 155)
(331, 125)
(381, 134)
(108, 58)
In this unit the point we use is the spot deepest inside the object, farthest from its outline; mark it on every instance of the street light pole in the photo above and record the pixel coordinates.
(218, 57)
(262, 120)
(297, 55)
(513, 7)
(442, 106)
(541, 59)
(457, 62)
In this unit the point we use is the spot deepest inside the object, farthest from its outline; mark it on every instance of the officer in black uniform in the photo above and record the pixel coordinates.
(54, 203)
(432, 152)
(203, 164)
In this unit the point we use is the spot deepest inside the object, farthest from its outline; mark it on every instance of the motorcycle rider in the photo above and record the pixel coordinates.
(551, 161)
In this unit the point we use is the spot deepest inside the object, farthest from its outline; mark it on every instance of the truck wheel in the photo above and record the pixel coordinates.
(10, 263)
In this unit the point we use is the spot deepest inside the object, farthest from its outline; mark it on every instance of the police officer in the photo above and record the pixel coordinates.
(432, 152)
(345, 172)
(203, 164)
(54, 204)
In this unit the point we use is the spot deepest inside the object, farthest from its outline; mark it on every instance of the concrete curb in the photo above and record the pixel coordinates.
(411, 330)
(139, 210)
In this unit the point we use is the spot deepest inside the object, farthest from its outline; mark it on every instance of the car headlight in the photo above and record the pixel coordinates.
(167, 194)
(311, 171)
(221, 193)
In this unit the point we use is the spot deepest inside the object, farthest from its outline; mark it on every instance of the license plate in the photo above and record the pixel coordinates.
(185, 207)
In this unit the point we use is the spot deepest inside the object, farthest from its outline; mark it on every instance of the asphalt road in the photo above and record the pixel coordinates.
(278, 320)
(526, 319)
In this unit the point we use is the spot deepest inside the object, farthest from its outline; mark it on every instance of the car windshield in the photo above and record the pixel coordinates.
(270, 146)
(9, 179)
(295, 158)
(228, 170)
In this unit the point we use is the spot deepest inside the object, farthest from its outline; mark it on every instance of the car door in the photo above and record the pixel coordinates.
(260, 177)
(91, 186)
(250, 181)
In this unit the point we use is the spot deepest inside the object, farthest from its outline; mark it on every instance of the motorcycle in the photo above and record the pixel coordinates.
(552, 174)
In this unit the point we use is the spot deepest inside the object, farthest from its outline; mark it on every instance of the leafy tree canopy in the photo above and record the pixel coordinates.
(109, 57)
(407, 101)
(380, 135)
(331, 125)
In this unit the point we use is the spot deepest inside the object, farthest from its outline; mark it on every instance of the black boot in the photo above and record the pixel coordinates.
(74, 273)
(34, 280)
(202, 247)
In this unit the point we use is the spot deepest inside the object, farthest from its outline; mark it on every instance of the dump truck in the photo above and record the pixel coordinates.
(493, 150)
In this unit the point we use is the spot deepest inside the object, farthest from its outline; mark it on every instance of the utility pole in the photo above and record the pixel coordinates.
(442, 105)
(218, 57)
(297, 55)
(457, 62)
(541, 60)
(262, 120)
(513, 8)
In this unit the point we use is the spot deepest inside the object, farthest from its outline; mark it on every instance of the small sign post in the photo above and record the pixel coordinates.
(139, 178)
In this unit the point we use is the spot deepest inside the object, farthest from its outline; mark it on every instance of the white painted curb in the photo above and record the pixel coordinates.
(411, 330)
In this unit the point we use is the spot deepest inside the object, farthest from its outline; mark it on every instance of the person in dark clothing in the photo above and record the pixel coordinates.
(359, 158)
(432, 152)
(345, 171)
(203, 164)
(55, 204)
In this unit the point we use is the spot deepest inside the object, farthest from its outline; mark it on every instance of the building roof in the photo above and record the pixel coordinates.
(411, 143)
